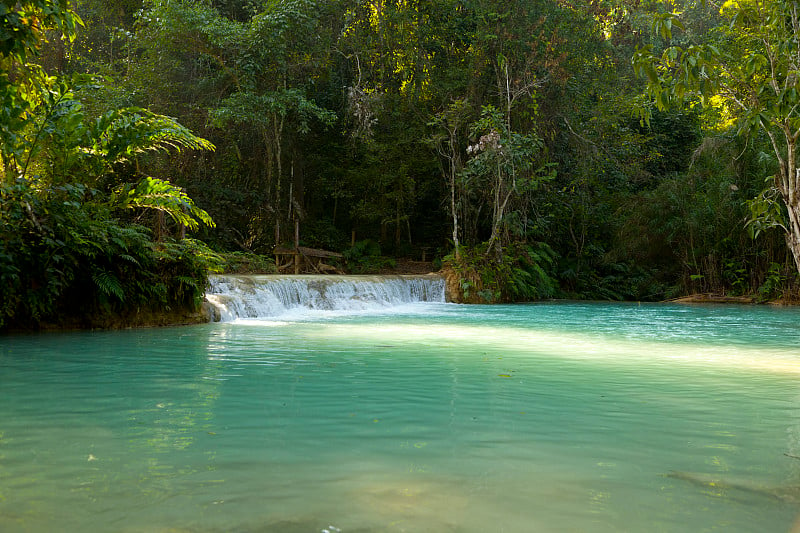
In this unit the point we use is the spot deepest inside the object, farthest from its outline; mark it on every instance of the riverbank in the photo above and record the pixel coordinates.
(705, 298)
(453, 293)
(132, 320)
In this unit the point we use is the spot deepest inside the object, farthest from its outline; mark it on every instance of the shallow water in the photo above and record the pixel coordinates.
(429, 417)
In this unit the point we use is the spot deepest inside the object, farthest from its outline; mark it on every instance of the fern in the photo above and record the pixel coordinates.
(186, 282)
(108, 284)
(130, 259)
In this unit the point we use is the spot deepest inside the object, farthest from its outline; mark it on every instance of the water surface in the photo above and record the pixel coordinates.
(425, 417)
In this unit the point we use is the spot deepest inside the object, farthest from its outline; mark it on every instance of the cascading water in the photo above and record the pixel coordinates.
(235, 297)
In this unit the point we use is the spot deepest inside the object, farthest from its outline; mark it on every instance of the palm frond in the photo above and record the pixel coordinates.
(154, 193)
(120, 134)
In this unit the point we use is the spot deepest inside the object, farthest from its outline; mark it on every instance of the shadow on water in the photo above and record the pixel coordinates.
(287, 526)
(308, 525)
(719, 486)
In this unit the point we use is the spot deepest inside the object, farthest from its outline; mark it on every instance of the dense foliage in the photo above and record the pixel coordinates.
(71, 251)
(513, 140)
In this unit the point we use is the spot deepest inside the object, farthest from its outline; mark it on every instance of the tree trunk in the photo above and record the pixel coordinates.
(454, 167)
(455, 218)
(298, 179)
(398, 230)
(269, 172)
(793, 243)
(161, 226)
(496, 215)
(793, 229)
(277, 140)
(790, 191)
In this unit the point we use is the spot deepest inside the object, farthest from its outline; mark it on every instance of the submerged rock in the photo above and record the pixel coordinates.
(786, 493)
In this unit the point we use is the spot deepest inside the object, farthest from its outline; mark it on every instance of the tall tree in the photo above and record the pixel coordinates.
(272, 71)
(750, 69)
(450, 125)
(23, 27)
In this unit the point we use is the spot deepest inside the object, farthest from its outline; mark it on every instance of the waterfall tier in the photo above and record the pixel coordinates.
(233, 297)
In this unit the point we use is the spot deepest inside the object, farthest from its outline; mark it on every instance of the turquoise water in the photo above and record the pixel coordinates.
(430, 417)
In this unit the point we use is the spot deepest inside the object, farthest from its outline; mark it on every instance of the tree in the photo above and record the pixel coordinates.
(261, 69)
(23, 25)
(446, 139)
(505, 161)
(66, 240)
(752, 72)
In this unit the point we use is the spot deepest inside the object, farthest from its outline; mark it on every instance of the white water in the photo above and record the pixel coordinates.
(272, 297)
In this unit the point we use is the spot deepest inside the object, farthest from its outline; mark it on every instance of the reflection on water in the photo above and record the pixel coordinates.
(546, 417)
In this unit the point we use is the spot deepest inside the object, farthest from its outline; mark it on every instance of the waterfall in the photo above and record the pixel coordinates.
(232, 297)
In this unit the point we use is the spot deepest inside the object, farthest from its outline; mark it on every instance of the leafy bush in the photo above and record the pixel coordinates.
(524, 272)
(63, 255)
(248, 263)
(775, 283)
(365, 257)
(67, 184)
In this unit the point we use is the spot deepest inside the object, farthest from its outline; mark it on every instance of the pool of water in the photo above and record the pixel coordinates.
(426, 418)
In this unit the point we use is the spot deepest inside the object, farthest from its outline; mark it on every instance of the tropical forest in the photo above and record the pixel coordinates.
(635, 150)
(399, 266)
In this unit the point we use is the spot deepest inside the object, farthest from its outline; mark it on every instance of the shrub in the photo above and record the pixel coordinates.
(522, 273)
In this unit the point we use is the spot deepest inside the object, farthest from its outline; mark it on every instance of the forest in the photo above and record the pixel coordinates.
(606, 149)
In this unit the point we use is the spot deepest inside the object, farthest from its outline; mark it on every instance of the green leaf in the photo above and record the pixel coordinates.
(154, 193)
(108, 284)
